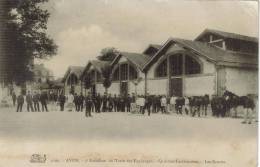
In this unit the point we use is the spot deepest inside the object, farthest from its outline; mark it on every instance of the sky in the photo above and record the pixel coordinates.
(82, 28)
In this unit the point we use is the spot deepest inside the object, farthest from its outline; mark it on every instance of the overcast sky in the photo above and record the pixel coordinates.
(81, 28)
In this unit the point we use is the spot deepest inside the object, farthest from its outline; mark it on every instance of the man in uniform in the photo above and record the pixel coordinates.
(105, 103)
(76, 102)
(110, 103)
(14, 98)
(122, 103)
(98, 103)
(115, 103)
(36, 99)
(128, 103)
(148, 104)
(62, 100)
(89, 104)
(29, 101)
(81, 102)
(20, 101)
(43, 99)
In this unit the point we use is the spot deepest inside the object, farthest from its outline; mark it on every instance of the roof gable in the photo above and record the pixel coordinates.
(99, 65)
(137, 59)
(77, 70)
(207, 51)
(227, 35)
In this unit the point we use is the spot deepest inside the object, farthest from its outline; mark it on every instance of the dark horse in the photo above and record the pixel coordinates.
(231, 101)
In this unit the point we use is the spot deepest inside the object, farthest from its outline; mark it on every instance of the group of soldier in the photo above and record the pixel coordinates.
(33, 101)
(195, 105)
(98, 103)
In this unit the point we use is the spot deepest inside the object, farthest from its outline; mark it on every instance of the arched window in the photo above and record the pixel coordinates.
(99, 77)
(191, 65)
(161, 70)
(72, 80)
(115, 76)
(132, 73)
(123, 72)
(176, 65)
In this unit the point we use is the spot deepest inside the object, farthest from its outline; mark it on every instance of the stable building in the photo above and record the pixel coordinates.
(212, 63)
(71, 80)
(95, 69)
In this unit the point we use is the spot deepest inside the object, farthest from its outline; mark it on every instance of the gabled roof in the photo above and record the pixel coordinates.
(227, 35)
(137, 59)
(99, 65)
(210, 52)
(76, 70)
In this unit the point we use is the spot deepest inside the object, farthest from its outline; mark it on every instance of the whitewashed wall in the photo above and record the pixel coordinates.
(140, 88)
(241, 81)
(157, 86)
(114, 88)
(199, 85)
(100, 88)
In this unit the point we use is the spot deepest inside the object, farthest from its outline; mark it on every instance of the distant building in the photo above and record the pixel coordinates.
(71, 79)
(212, 63)
(42, 74)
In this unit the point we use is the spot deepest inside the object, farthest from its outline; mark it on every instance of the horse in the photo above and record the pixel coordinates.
(232, 101)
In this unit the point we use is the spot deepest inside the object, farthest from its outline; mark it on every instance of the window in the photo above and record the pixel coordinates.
(115, 76)
(161, 70)
(99, 78)
(191, 66)
(132, 73)
(176, 65)
(72, 79)
(123, 72)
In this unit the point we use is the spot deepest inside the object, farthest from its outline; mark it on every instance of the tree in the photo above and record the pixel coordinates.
(107, 79)
(108, 54)
(26, 22)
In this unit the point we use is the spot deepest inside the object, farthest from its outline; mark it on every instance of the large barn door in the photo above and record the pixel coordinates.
(123, 88)
(176, 87)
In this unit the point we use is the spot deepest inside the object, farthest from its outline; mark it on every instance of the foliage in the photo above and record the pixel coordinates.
(108, 54)
(26, 21)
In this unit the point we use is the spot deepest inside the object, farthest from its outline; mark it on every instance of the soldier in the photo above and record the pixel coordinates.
(110, 103)
(75, 101)
(43, 99)
(14, 98)
(62, 100)
(20, 101)
(98, 102)
(148, 104)
(80, 102)
(128, 103)
(115, 103)
(36, 99)
(158, 103)
(29, 101)
(89, 104)
(122, 104)
(105, 103)
(164, 104)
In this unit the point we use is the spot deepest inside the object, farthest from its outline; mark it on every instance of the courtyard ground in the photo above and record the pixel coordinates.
(160, 138)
